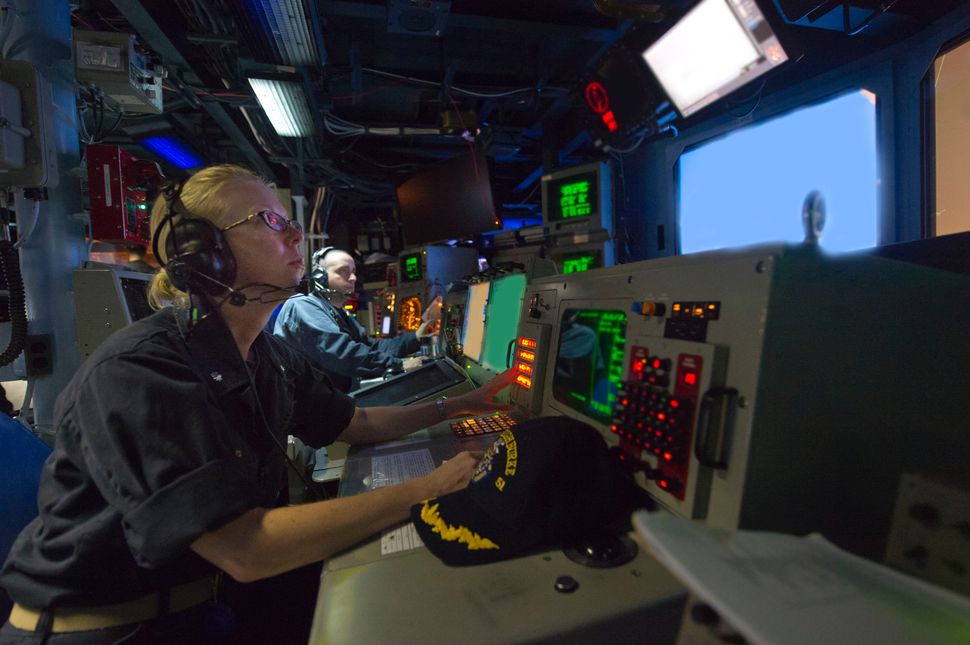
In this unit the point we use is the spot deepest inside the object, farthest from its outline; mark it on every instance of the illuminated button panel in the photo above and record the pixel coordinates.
(525, 359)
(654, 414)
(498, 422)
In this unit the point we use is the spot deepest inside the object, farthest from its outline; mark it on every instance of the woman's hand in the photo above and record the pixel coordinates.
(453, 474)
(483, 400)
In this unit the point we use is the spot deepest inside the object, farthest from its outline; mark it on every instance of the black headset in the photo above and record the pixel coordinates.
(198, 257)
(320, 277)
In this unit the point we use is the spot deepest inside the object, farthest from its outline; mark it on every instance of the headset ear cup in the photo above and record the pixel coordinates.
(178, 274)
(199, 257)
(321, 277)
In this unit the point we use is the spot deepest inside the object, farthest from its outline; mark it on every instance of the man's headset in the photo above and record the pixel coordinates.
(198, 257)
(320, 277)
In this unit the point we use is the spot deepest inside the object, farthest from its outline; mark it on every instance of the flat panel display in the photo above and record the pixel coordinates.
(473, 329)
(410, 387)
(589, 361)
(719, 46)
(502, 320)
(451, 199)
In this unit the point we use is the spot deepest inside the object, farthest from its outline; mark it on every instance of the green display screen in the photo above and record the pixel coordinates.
(573, 197)
(579, 262)
(411, 267)
(589, 361)
(502, 320)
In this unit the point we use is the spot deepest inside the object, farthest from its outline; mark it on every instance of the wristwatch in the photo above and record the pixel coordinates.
(440, 404)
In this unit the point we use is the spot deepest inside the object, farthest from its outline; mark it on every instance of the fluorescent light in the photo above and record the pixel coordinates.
(285, 105)
(288, 29)
(173, 150)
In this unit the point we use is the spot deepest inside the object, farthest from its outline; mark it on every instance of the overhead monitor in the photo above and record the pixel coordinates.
(620, 97)
(718, 47)
(589, 361)
(579, 196)
(502, 320)
(449, 200)
(473, 329)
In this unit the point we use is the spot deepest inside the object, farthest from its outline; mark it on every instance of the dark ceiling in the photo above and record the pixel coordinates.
(395, 85)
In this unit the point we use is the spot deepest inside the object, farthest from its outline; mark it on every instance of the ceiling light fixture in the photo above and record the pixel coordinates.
(285, 105)
(285, 24)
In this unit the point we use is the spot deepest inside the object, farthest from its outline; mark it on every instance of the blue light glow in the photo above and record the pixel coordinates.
(173, 150)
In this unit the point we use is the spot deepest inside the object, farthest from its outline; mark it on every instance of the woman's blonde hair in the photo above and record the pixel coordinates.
(201, 196)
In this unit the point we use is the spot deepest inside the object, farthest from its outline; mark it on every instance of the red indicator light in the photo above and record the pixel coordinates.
(524, 381)
(626, 402)
(668, 456)
(524, 368)
(663, 483)
(610, 120)
(526, 356)
(661, 416)
(656, 363)
(674, 403)
(528, 343)
(613, 428)
(690, 378)
(597, 98)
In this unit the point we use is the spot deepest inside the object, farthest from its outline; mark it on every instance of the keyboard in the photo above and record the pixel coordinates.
(498, 422)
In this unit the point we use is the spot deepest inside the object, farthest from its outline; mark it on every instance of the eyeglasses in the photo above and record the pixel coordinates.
(273, 220)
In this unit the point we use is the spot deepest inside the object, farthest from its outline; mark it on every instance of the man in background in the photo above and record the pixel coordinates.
(319, 326)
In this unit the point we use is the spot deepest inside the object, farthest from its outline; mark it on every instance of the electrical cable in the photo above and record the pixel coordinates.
(318, 493)
(461, 90)
(22, 239)
(16, 301)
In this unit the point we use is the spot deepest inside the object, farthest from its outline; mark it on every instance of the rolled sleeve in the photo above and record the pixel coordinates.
(164, 525)
(160, 454)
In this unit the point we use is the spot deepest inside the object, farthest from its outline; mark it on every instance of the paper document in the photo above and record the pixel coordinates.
(775, 588)
(403, 538)
(387, 470)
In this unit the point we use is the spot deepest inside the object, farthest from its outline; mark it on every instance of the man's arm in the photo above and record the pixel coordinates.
(305, 325)
(266, 542)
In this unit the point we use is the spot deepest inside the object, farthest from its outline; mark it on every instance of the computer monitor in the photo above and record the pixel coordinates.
(589, 361)
(581, 261)
(502, 321)
(386, 326)
(473, 329)
(411, 269)
(410, 310)
(580, 196)
(716, 48)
